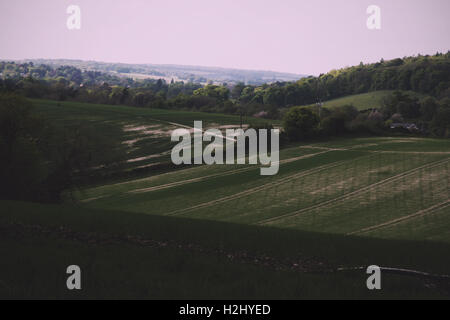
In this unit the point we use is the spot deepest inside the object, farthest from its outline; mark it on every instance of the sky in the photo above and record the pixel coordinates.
(297, 36)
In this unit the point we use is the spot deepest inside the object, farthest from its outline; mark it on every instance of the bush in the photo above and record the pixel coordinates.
(338, 120)
(300, 123)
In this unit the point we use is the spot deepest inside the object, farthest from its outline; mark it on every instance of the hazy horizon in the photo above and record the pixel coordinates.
(156, 64)
(283, 36)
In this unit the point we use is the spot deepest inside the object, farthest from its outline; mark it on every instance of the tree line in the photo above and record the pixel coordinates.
(429, 75)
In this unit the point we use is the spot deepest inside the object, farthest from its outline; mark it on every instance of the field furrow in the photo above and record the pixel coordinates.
(391, 223)
(354, 193)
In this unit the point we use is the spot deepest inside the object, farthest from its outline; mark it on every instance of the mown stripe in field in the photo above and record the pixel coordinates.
(231, 172)
(265, 203)
(351, 194)
(259, 188)
(266, 186)
(94, 195)
(186, 180)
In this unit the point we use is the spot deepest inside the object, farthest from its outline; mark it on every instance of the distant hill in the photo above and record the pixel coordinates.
(197, 74)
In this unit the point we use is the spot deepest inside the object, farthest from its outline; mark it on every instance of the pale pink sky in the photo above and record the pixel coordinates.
(299, 36)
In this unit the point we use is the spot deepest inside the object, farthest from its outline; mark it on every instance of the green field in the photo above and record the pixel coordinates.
(127, 255)
(342, 187)
(144, 132)
(364, 101)
(225, 231)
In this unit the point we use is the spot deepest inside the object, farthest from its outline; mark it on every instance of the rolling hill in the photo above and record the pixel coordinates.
(197, 74)
(224, 231)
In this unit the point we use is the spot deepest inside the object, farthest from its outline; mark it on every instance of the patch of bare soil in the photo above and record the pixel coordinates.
(335, 187)
(152, 156)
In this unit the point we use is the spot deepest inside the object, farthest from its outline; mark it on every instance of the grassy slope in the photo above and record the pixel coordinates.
(87, 111)
(363, 101)
(148, 135)
(355, 185)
